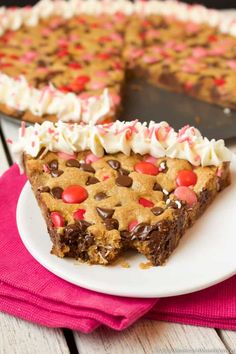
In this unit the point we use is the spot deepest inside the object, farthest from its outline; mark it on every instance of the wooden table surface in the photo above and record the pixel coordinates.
(145, 337)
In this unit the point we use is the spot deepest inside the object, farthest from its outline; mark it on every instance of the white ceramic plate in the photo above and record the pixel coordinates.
(205, 255)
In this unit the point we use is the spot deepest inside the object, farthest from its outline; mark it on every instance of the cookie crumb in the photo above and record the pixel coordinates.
(146, 265)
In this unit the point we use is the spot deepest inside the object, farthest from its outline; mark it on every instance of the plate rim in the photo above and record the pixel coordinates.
(40, 258)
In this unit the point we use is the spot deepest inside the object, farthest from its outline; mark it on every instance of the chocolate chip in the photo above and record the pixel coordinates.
(100, 196)
(124, 181)
(56, 192)
(163, 167)
(157, 211)
(92, 180)
(44, 189)
(105, 213)
(56, 173)
(73, 163)
(173, 205)
(87, 168)
(114, 164)
(141, 231)
(111, 224)
(53, 165)
(123, 172)
(157, 187)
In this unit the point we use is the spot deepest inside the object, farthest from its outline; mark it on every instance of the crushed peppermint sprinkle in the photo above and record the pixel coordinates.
(9, 141)
(112, 138)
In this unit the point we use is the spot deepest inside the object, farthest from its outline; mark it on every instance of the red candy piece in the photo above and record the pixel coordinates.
(79, 214)
(146, 168)
(75, 65)
(186, 194)
(146, 203)
(74, 194)
(62, 53)
(82, 80)
(186, 178)
(132, 225)
(104, 56)
(57, 219)
(219, 82)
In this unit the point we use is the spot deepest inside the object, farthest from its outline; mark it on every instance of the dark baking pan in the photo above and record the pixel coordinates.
(146, 102)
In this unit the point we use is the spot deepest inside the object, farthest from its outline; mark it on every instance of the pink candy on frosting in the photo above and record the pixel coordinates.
(151, 159)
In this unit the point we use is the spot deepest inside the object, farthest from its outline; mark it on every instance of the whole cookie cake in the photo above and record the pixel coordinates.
(103, 189)
(69, 60)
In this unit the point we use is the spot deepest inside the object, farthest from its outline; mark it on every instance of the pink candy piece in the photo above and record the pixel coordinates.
(101, 73)
(116, 37)
(88, 57)
(192, 27)
(179, 47)
(79, 214)
(27, 41)
(199, 52)
(149, 59)
(57, 219)
(149, 158)
(66, 156)
(91, 158)
(136, 53)
(146, 203)
(46, 31)
(46, 168)
(29, 56)
(152, 33)
(97, 85)
(186, 194)
(115, 98)
(231, 64)
(62, 42)
(105, 177)
(132, 225)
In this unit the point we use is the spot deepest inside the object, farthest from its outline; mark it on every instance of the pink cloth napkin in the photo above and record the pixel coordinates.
(29, 291)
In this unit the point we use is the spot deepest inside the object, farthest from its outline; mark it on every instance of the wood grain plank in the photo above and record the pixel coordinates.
(3, 159)
(10, 131)
(151, 337)
(18, 337)
(229, 339)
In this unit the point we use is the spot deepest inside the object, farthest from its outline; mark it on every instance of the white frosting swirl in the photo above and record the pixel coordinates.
(156, 139)
(17, 94)
(13, 19)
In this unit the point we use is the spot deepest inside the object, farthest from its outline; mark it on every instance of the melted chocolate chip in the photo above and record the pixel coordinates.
(53, 165)
(173, 205)
(123, 172)
(157, 187)
(114, 164)
(73, 163)
(56, 192)
(44, 189)
(157, 211)
(100, 196)
(56, 173)
(87, 168)
(124, 181)
(163, 167)
(141, 231)
(77, 237)
(111, 224)
(92, 180)
(105, 213)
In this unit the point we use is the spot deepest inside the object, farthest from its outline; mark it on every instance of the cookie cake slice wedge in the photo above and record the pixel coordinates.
(106, 188)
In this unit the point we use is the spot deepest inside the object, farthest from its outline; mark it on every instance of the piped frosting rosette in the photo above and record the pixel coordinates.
(155, 139)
